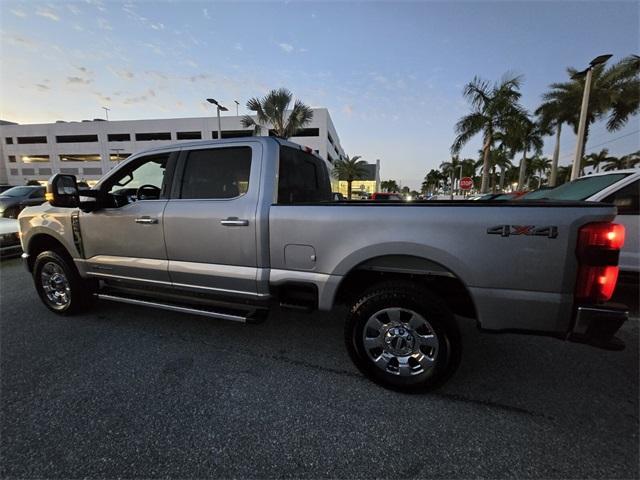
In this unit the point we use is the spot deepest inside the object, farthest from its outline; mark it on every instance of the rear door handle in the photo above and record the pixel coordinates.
(234, 222)
(146, 220)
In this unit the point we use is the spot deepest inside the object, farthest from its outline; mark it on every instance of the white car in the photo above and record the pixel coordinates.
(620, 187)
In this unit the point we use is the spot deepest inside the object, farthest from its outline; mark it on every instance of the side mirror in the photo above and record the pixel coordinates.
(62, 191)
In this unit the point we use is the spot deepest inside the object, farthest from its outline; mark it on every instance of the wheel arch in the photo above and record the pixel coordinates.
(425, 272)
(40, 242)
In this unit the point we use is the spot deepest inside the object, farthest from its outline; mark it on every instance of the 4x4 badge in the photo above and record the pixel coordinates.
(508, 230)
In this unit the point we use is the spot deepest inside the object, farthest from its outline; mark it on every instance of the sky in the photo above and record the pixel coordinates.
(390, 73)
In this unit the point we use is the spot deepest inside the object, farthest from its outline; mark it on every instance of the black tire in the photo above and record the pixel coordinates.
(409, 297)
(79, 291)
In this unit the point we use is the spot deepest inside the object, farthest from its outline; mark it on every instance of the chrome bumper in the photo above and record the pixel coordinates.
(597, 325)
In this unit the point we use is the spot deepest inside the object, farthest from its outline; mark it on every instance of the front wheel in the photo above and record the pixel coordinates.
(59, 284)
(403, 337)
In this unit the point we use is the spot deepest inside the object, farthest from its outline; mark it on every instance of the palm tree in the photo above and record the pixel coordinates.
(541, 166)
(596, 159)
(615, 94)
(564, 174)
(349, 169)
(491, 106)
(272, 110)
(432, 180)
(552, 114)
(525, 135)
(628, 161)
(632, 159)
(389, 186)
(449, 170)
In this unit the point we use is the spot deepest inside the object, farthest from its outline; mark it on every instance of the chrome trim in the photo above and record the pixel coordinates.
(173, 308)
(146, 220)
(184, 285)
(234, 222)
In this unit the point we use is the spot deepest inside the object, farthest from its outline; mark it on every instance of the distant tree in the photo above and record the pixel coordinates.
(596, 159)
(389, 186)
(431, 181)
(627, 161)
(32, 183)
(349, 169)
(564, 174)
(540, 165)
(272, 110)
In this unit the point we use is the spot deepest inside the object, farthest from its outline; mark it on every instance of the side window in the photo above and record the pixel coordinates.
(123, 187)
(626, 199)
(37, 193)
(216, 173)
(302, 178)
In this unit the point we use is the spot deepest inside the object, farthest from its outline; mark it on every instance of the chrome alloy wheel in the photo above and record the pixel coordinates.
(401, 342)
(55, 285)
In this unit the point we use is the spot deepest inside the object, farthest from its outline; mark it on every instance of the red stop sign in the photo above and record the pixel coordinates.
(466, 183)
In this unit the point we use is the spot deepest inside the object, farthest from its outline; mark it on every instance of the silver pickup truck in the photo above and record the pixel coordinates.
(228, 228)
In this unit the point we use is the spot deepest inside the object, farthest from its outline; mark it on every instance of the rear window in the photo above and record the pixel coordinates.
(582, 188)
(302, 178)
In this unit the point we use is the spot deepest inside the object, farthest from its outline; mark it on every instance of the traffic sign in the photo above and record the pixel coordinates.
(466, 183)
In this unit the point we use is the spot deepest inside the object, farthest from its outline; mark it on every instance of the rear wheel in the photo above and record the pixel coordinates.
(403, 337)
(59, 284)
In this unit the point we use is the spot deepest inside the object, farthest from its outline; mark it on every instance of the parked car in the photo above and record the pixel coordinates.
(9, 238)
(620, 187)
(386, 196)
(12, 201)
(4, 188)
(228, 228)
(338, 197)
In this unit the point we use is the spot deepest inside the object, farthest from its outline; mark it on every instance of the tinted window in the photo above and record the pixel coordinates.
(118, 137)
(17, 192)
(583, 188)
(37, 193)
(626, 199)
(25, 140)
(153, 136)
(302, 178)
(216, 173)
(76, 138)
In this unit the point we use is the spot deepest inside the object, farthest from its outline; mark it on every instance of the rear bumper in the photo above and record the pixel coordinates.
(597, 325)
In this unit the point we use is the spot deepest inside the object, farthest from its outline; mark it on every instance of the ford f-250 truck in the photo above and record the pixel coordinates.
(226, 228)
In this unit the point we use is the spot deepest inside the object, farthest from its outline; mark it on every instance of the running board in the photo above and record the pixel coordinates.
(178, 308)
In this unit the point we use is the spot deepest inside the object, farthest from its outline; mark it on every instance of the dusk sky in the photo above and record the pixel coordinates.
(391, 74)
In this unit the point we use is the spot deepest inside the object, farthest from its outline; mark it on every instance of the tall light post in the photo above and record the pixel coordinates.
(219, 108)
(575, 169)
(237, 105)
(106, 112)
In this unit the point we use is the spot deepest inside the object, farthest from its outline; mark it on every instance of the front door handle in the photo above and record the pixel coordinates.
(234, 222)
(146, 220)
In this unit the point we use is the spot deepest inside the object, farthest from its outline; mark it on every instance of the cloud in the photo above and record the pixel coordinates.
(238, 46)
(133, 100)
(18, 13)
(78, 81)
(42, 87)
(47, 13)
(205, 12)
(348, 110)
(157, 26)
(104, 24)
(286, 47)
(123, 74)
(73, 9)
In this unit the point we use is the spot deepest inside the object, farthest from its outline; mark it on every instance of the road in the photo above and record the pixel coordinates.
(129, 392)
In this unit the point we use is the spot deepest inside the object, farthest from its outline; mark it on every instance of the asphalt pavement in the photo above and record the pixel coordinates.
(124, 392)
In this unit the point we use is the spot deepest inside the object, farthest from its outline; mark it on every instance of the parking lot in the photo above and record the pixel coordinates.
(129, 392)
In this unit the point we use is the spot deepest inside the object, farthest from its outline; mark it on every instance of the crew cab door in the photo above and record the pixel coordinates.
(125, 240)
(210, 220)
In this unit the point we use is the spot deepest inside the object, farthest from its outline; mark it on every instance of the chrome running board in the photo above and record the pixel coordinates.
(175, 308)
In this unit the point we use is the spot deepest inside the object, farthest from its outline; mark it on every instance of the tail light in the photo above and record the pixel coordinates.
(598, 250)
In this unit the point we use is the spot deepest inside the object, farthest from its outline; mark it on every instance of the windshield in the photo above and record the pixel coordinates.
(579, 189)
(17, 192)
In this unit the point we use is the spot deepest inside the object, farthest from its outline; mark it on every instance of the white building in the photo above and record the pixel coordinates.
(89, 149)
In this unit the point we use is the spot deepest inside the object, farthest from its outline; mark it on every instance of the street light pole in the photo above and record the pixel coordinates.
(237, 105)
(219, 108)
(575, 169)
(459, 178)
(106, 112)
